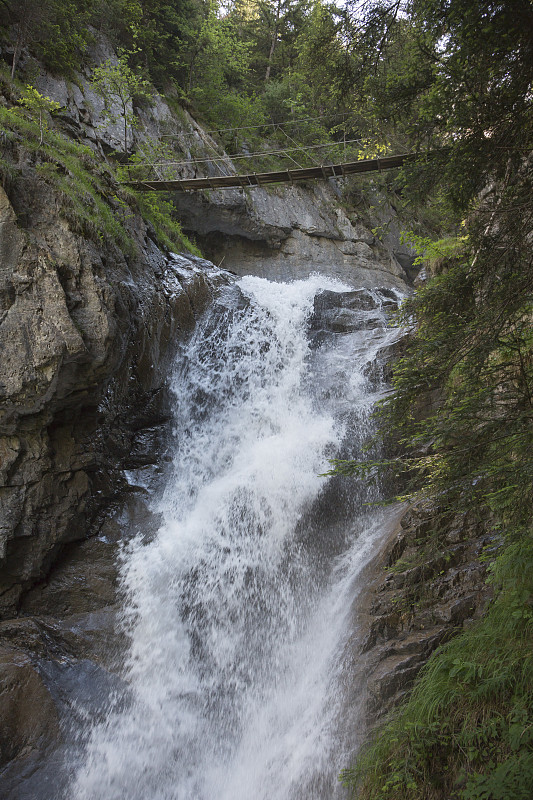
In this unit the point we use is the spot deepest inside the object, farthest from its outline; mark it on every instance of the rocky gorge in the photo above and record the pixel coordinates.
(87, 340)
(88, 334)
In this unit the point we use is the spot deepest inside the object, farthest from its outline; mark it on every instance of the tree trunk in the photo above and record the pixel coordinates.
(273, 42)
(125, 118)
(16, 52)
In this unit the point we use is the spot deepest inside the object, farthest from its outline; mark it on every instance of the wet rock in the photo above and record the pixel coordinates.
(360, 300)
(25, 634)
(61, 655)
(28, 716)
(84, 581)
(347, 312)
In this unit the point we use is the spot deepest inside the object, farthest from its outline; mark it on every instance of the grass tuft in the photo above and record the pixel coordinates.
(92, 201)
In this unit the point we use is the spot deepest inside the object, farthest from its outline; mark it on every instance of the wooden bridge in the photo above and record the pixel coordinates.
(280, 176)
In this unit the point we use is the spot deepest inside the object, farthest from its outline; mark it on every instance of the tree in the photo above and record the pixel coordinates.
(55, 30)
(25, 18)
(473, 341)
(471, 355)
(270, 27)
(219, 72)
(39, 105)
(168, 33)
(322, 59)
(274, 33)
(117, 83)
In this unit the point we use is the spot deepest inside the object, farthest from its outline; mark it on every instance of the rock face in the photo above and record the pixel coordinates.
(351, 311)
(281, 233)
(86, 339)
(28, 717)
(289, 232)
(426, 586)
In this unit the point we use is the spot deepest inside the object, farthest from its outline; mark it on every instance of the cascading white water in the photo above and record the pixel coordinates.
(237, 610)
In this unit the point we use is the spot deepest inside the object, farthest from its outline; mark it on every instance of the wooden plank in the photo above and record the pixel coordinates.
(280, 176)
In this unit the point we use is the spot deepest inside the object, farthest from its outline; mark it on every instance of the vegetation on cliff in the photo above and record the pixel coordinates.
(244, 64)
(88, 187)
(462, 411)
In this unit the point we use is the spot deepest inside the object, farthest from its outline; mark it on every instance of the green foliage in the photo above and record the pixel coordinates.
(39, 105)
(160, 212)
(56, 30)
(459, 425)
(436, 255)
(474, 345)
(218, 73)
(168, 38)
(324, 66)
(75, 174)
(467, 730)
(64, 35)
(229, 61)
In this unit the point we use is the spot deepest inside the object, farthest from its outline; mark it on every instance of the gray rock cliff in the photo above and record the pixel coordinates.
(289, 232)
(86, 337)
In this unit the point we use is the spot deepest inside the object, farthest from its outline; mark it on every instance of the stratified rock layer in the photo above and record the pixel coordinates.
(288, 232)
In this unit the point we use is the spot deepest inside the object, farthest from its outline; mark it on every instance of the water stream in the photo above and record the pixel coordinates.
(238, 610)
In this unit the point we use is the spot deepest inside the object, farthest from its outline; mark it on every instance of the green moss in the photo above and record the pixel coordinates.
(175, 103)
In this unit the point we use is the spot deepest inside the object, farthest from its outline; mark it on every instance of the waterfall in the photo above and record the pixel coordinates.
(238, 610)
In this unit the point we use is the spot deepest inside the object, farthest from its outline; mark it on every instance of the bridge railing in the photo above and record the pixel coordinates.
(295, 157)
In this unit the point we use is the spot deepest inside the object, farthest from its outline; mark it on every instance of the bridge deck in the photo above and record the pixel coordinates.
(280, 176)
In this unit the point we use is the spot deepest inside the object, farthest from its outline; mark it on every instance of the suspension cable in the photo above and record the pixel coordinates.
(225, 158)
(255, 127)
